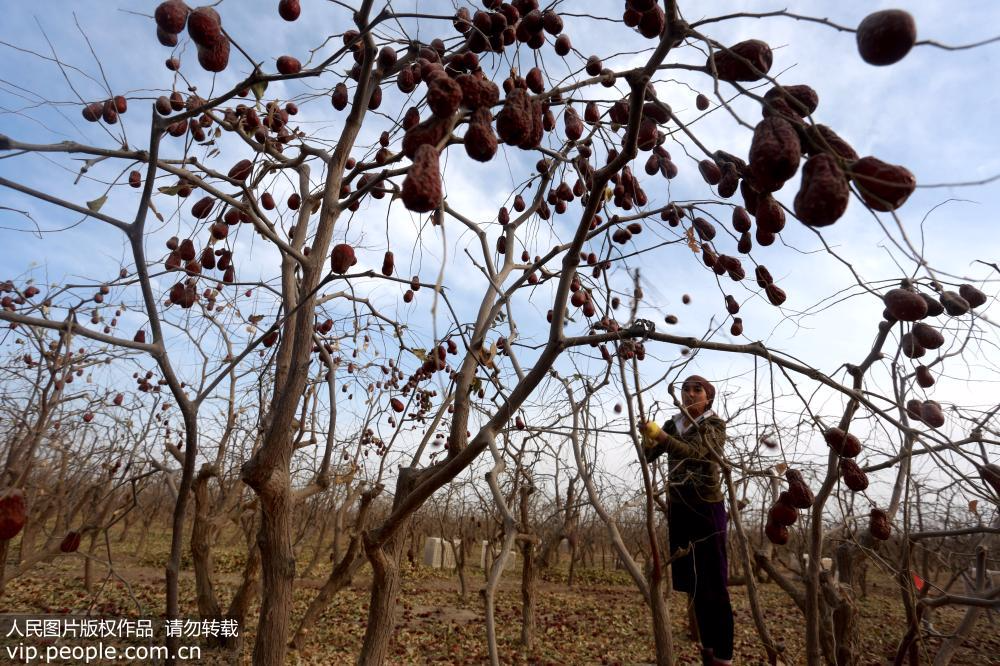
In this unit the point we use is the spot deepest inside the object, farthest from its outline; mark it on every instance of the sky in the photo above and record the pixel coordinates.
(933, 112)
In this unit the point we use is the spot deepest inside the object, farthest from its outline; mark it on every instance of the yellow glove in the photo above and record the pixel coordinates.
(650, 432)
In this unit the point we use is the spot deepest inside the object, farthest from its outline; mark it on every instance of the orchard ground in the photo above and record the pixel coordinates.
(600, 619)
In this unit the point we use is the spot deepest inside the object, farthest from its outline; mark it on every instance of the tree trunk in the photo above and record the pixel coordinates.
(278, 569)
(661, 618)
(202, 537)
(382, 607)
(384, 558)
(460, 560)
(529, 579)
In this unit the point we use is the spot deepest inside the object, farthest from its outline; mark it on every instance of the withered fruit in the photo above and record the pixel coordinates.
(241, 170)
(289, 65)
(824, 194)
(171, 16)
(745, 244)
(783, 512)
(741, 220)
(763, 276)
(710, 171)
(574, 126)
(422, 191)
(388, 263)
(770, 215)
(480, 141)
(774, 154)
(430, 132)
(972, 295)
(775, 294)
(932, 414)
(852, 475)
(928, 336)
(846, 445)
(885, 37)
(289, 9)
(13, 513)
(934, 307)
(884, 187)
(954, 304)
(704, 228)
(878, 525)
(745, 61)
(342, 258)
(736, 329)
(535, 81)
(701, 102)
(166, 39)
(776, 534)
(203, 207)
(70, 542)
(801, 99)
(339, 96)
(924, 377)
(905, 305)
(214, 58)
(205, 27)
(910, 347)
(92, 112)
(397, 405)
(562, 46)
(799, 494)
(477, 91)
(822, 139)
(913, 410)
(444, 95)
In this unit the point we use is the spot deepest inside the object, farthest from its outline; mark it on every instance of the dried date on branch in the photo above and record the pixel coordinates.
(801, 99)
(480, 141)
(799, 494)
(878, 525)
(824, 194)
(853, 476)
(905, 305)
(783, 512)
(846, 445)
(821, 139)
(884, 187)
(776, 534)
(886, 37)
(932, 414)
(422, 191)
(774, 154)
(746, 61)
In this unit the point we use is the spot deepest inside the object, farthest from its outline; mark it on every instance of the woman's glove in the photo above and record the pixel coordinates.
(650, 432)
